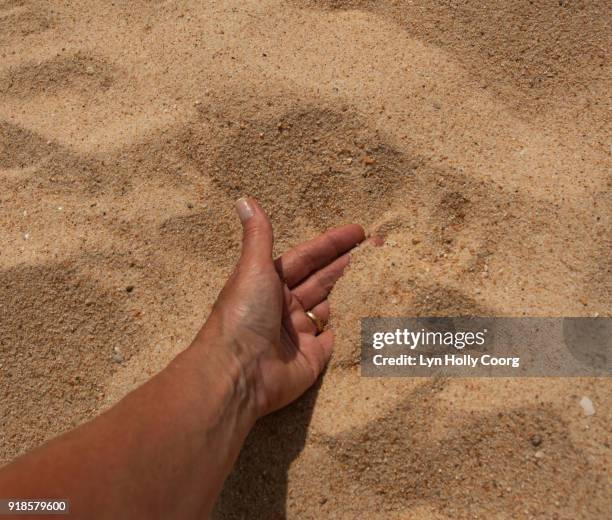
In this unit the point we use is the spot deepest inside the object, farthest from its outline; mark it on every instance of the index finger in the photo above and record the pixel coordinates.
(308, 257)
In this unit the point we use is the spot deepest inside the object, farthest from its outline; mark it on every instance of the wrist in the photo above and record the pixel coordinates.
(227, 363)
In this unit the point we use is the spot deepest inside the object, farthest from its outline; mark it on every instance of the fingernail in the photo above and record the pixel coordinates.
(244, 209)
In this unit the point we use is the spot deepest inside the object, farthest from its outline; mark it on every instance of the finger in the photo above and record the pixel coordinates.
(301, 322)
(321, 311)
(257, 236)
(326, 343)
(316, 287)
(302, 260)
(317, 350)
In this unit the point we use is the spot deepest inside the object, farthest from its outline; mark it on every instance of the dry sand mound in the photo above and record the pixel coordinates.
(473, 137)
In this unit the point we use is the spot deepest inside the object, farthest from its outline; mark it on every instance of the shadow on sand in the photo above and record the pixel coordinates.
(257, 487)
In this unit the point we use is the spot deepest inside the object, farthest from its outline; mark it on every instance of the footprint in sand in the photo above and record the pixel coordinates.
(310, 162)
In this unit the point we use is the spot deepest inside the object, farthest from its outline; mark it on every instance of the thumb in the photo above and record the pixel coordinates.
(257, 236)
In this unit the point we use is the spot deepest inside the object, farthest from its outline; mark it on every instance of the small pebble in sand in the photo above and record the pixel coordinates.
(587, 406)
(117, 355)
(539, 454)
(129, 288)
(536, 440)
(369, 160)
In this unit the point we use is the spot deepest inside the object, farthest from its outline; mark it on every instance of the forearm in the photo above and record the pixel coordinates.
(162, 452)
(165, 450)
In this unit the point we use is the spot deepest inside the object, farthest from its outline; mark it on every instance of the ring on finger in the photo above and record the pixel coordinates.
(318, 323)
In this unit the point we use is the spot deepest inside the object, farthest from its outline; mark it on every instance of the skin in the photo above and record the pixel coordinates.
(165, 450)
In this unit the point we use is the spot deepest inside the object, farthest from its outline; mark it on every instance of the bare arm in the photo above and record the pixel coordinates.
(162, 452)
(165, 450)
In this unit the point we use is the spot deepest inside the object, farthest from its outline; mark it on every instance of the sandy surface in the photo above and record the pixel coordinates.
(475, 138)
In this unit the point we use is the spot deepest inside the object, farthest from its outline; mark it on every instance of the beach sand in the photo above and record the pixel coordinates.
(473, 136)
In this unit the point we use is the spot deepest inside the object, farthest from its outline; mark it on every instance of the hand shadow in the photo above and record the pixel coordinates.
(257, 487)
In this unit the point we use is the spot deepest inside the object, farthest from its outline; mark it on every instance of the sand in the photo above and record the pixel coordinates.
(473, 136)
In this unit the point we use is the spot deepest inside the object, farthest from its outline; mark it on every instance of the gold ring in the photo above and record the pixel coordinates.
(317, 322)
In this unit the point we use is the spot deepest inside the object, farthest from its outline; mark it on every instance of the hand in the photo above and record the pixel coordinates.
(261, 311)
